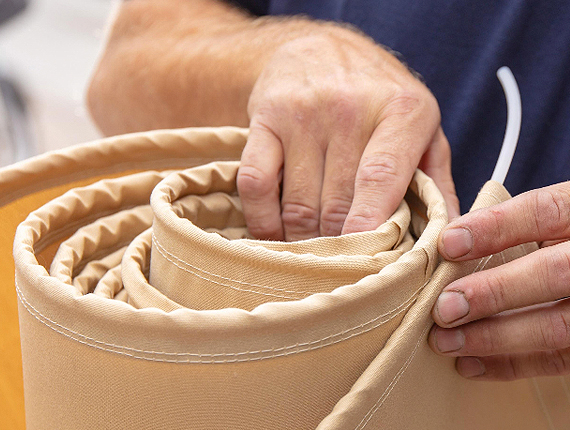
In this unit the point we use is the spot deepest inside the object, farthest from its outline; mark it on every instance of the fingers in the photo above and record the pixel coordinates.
(495, 341)
(349, 84)
(339, 174)
(539, 277)
(406, 128)
(541, 328)
(436, 163)
(302, 183)
(508, 367)
(258, 183)
(538, 215)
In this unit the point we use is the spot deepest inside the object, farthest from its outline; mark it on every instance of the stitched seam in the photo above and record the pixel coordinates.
(173, 259)
(300, 347)
(392, 384)
(480, 266)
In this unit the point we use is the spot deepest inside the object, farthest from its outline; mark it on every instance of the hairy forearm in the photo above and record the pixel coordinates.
(176, 63)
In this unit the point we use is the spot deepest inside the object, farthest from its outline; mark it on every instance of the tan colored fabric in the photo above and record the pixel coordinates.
(170, 316)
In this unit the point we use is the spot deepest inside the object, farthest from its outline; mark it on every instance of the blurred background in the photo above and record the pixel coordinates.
(48, 49)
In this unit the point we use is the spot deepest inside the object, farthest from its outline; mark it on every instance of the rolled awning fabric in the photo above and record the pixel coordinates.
(144, 303)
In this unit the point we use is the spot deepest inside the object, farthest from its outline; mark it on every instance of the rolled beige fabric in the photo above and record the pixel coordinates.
(144, 303)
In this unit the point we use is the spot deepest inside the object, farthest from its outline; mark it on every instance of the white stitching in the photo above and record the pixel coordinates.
(170, 257)
(392, 384)
(482, 263)
(162, 252)
(301, 347)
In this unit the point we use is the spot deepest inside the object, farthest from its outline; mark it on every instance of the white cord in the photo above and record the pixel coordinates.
(514, 115)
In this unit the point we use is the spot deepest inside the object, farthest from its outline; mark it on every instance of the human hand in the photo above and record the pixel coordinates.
(343, 124)
(512, 321)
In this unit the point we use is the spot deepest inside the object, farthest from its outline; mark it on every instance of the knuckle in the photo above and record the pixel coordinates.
(556, 362)
(252, 182)
(279, 103)
(265, 118)
(492, 220)
(379, 171)
(344, 108)
(482, 339)
(300, 217)
(417, 100)
(553, 272)
(511, 369)
(333, 214)
(551, 212)
(497, 216)
(554, 332)
(491, 340)
(404, 102)
(302, 107)
(365, 220)
(561, 263)
(261, 230)
(494, 289)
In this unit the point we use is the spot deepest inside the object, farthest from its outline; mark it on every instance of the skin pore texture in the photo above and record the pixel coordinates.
(337, 127)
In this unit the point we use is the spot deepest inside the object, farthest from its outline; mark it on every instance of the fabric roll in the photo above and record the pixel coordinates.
(144, 303)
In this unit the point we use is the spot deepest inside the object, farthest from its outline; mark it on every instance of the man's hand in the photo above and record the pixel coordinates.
(334, 116)
(512, 321)
(344, 125)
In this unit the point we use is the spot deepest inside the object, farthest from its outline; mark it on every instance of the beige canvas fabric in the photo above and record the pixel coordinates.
(144, 304)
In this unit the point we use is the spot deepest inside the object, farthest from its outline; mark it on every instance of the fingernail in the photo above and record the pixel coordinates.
(457, 242)
(470, 367)
(449, 340)
(451, 306)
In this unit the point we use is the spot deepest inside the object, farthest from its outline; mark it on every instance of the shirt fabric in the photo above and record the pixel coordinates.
(457, 47)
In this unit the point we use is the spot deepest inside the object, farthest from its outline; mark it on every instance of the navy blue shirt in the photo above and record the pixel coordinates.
(457, 46)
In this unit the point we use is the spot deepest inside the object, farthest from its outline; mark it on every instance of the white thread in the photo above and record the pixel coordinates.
(166, 254)
(305, 346)
(482, 263)
(162, 251)
(392, 384)
(503, 257)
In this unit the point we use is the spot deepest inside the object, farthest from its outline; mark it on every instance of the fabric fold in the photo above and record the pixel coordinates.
(144, 285)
